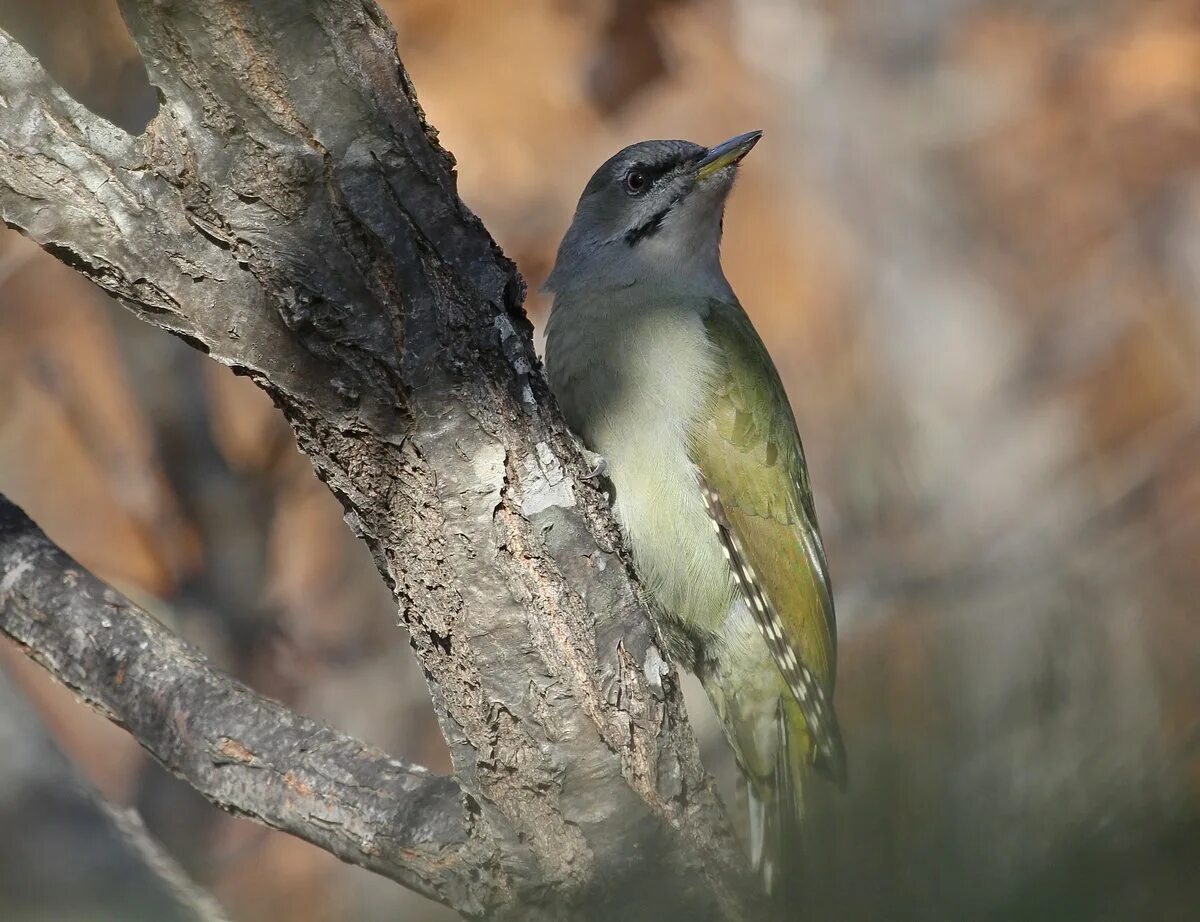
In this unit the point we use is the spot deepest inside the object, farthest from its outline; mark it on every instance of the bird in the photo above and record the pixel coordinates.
(659, 371)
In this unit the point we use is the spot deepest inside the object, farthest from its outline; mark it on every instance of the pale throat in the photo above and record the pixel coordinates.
(684, 256)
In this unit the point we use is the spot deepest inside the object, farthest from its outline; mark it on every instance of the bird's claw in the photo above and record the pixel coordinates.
(599, 465)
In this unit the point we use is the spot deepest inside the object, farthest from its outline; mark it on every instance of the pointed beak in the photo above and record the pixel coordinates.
(729, 152)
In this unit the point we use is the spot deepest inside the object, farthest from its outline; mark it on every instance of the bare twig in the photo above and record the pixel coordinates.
(128, 823)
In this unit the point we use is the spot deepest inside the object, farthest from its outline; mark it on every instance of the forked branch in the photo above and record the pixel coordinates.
(290, 212)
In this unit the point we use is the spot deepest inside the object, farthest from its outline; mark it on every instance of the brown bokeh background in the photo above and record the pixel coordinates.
(971, 239)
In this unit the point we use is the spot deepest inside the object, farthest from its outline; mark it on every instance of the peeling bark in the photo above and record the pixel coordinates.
(290, 213)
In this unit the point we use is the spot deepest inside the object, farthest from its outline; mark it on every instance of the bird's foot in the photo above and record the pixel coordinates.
(597, 463)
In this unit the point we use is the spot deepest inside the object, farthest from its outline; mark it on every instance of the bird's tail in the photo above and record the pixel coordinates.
(775, 806)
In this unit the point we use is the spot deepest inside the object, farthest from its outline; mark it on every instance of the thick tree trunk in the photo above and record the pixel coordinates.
(290, 213)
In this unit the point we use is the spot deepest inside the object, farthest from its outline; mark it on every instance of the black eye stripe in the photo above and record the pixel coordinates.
(648, 229)
(652, 171)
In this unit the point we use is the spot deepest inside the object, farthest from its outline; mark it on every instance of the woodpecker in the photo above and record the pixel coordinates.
(661, 374)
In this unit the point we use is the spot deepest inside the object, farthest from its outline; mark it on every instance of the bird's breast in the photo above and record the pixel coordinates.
(633, 393)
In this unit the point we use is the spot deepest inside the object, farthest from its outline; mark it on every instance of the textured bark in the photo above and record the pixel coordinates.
(246, 753)
(290, 213)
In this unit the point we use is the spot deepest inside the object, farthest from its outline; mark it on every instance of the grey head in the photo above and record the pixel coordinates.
(652, 214)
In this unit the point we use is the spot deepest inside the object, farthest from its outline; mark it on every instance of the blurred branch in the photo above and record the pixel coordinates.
(103, 867)
(245, 753)
(290, 213)
(128, 823)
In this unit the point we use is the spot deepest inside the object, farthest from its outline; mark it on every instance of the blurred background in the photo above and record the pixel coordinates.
(971, 240)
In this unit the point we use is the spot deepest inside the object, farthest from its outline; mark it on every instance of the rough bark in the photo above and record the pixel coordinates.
(290, 213)
(244, 752)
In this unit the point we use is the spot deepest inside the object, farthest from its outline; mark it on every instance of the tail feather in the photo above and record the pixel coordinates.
(756, 810)
(776, 812)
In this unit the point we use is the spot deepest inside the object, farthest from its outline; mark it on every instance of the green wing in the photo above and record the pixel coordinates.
(749, 455)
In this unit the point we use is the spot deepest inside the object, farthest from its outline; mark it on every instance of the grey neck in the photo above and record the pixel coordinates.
(681, 257)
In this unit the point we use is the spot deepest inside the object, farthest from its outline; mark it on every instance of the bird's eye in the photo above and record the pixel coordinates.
(635, 182)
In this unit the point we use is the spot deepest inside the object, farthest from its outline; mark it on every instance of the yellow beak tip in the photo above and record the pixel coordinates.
(727, 153)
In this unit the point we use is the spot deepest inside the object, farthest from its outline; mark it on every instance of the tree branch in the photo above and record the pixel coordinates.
(128, 823)
(245, 753)
(101, 867)
(290, 212)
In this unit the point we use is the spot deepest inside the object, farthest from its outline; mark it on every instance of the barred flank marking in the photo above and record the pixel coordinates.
(803, 684)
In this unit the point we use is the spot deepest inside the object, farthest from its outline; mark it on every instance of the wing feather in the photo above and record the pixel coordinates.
(755, 481)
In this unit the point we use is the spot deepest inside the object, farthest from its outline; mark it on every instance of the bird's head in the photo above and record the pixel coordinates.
(652, 212)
